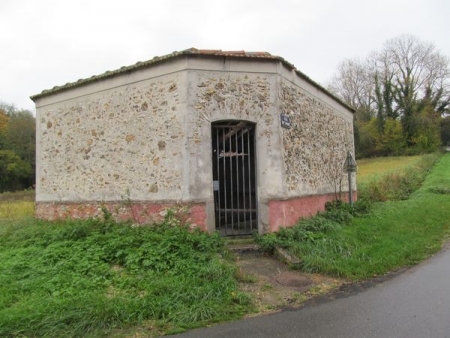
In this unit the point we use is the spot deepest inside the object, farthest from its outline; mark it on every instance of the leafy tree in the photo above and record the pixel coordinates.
(392, 137)
(13, 171)
(17, 139)
(4, 118)
(368, 139)
(427, 137)
(445, 131)
(21, 137)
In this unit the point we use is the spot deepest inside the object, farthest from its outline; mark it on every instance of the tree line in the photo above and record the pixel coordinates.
(17, 148)
(401, 95)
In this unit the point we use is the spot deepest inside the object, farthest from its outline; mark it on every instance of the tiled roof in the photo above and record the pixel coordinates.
(190, 51)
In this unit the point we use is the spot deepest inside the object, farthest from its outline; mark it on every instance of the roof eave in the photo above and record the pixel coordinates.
(190, 51)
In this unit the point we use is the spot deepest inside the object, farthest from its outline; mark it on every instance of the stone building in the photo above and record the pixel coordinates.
(233, 141)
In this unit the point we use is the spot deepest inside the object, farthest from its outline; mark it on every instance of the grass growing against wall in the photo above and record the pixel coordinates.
(394, 234)
(87, 279)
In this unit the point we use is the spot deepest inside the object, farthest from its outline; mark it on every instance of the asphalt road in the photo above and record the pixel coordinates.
(414, 304)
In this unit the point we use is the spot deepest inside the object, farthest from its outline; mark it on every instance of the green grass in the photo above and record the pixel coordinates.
(395, 234)
(96, 278)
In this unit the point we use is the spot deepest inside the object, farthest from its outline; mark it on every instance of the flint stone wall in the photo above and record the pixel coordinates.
(125, 143)
(143, 140)
(316, 146)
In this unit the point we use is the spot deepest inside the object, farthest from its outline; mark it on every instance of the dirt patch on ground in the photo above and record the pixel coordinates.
(275, 286)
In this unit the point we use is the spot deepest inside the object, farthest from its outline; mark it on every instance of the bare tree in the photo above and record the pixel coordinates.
(352, 82)
(417, 73)
(416, 65)
(413, 69)
(408, 79)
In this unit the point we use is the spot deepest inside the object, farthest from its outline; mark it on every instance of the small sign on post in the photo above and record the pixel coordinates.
(350, 167)
(350, 163)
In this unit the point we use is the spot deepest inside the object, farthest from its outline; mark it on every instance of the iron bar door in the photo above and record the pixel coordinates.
(234, 175)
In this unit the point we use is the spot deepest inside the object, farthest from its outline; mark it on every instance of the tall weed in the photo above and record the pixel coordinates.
(84, 278)
(307, 230)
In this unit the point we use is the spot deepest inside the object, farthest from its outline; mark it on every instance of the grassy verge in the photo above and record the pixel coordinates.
(92, 278)
(395, 233)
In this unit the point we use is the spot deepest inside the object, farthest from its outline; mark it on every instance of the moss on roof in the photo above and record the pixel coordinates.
(190, 51)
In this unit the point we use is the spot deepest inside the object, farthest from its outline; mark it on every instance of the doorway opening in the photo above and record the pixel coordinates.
(234, 177)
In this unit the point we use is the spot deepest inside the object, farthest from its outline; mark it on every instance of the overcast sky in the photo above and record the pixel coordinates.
(45, 43)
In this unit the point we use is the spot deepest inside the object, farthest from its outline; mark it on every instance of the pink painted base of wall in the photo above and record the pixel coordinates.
(286, 213)
(282, 213)
(137, 212)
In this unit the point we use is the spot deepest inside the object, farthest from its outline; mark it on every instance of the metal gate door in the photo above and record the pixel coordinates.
(234, 175)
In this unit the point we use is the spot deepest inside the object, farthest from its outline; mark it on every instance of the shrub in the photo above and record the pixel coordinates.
(340, 216)
(267, 242)
(343, 213)
(306, 230)
(361, 207)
